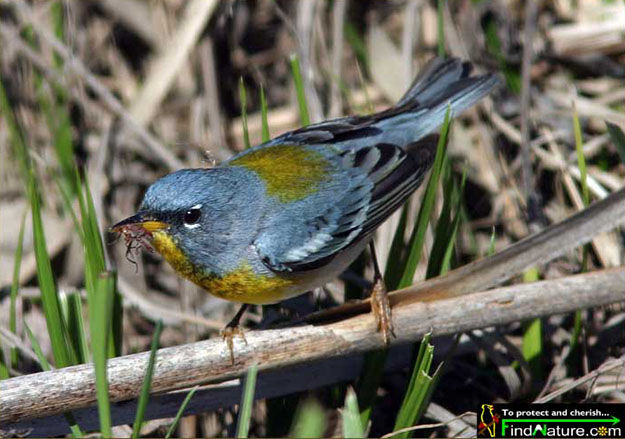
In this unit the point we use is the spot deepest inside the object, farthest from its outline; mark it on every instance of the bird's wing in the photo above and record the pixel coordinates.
(367, 184)
(377, 162)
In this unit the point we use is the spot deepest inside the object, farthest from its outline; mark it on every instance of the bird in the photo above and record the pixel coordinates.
(291, 214)
(488, 419)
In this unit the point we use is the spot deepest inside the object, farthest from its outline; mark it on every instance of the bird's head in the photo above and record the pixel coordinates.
(193, 214)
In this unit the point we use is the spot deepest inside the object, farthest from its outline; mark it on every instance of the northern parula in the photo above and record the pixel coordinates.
(291, 214)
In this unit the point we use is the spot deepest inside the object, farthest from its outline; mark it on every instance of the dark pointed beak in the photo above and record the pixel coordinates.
(143, 219)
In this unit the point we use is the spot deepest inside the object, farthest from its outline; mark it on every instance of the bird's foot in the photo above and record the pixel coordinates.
(381, 308)
(228, 334)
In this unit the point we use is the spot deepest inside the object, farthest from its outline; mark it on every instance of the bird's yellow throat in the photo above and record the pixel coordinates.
(240, 285)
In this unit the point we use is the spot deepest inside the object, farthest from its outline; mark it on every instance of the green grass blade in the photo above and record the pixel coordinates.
(17, 264)
(94, 238)
(410, 412)
(47, 285)
(618, 138)
(491, 245)
(357, 43)
(144, 396)
(58, 26)
(449, 250)
(73, 425)
(247, 401)
(43, 361)
(532, 344)
(493, 45)
(440, 27)
(4, 368)
(299, 89)
(418, 391)
(117, 328)
(532, 347)
(96, 262)
(76, 327)
(581, 160)
(243, 98)
(96, 246)
(180, 412)
(443, 228)
(63, 144)
(59, 124)
(309, 420)
(67, 200)
(423, 218)
(53, 104)
(263, 115)
(68, 326)
(100, 329)
(15, 133)
(93, 263)
(393, 272)
(428, 383)
(352, 425)
(419, 361)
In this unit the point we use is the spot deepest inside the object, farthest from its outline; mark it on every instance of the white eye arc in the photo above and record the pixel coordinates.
(191, 218)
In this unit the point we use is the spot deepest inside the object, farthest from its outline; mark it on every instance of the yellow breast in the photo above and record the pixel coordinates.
(241, 285)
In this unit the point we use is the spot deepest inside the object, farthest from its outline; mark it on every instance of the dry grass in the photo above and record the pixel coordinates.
(151, 87)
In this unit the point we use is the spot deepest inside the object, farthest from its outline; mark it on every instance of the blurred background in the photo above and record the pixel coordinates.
(126, 91)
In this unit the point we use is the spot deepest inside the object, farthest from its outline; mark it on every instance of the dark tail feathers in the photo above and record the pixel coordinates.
(443, 79)
(441, 83)
(419, 112)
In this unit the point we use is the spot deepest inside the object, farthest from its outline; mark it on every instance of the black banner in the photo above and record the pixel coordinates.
(550, 420)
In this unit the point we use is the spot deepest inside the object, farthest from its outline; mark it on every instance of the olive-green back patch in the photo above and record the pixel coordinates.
(290, 172)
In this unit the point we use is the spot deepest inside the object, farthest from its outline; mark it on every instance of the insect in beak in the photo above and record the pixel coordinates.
(141, 220)
(137, 232)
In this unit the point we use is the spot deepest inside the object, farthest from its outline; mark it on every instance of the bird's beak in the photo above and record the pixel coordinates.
(142, 219)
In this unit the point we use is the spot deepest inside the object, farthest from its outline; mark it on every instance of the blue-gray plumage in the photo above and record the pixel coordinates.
(300, 207)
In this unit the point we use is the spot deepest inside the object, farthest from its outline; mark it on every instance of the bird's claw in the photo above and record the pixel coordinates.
(381, 308)
(228, 334)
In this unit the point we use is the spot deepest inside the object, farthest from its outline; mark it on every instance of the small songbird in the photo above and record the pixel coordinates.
(291, 214)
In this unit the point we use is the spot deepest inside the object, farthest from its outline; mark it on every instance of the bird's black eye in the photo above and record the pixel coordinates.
(192, 216)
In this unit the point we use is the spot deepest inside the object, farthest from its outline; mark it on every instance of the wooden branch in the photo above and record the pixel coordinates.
(178, 367)
(270, 384)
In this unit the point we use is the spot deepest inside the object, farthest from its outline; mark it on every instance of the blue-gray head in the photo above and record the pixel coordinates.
(208, 214)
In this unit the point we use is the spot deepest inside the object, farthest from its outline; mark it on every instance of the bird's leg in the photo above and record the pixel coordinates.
(380, 305)
(232, 329)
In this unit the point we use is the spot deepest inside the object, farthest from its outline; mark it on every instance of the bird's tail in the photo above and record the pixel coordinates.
(441, 83)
